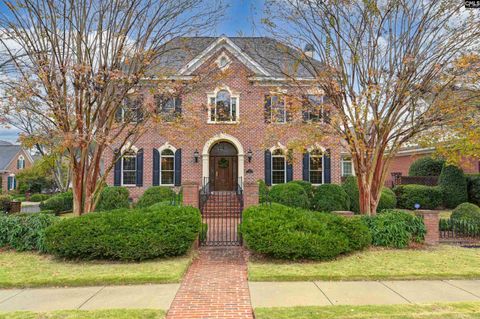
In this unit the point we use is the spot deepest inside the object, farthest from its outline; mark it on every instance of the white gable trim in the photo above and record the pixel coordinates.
(222, 42)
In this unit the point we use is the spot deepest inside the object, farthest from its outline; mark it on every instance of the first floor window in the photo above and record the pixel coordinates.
(279, 165)
(347, 166)
(129, 168)
(223, 107)
(316, 167)
(167, 167)
(21, 162)
(11, 183)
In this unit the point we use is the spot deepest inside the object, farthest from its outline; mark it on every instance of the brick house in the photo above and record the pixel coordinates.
(230, 122)
(13, 158)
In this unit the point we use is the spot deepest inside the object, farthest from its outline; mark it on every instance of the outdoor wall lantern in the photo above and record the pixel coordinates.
(195, 156)
(249, 155)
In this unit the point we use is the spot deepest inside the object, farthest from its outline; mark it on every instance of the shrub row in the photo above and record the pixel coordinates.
(39, 197)
(113, 198)
(58, 203)
(428, 197)
(466, 212)
(453, 183)
(25, 232)
(473, 188)
(387, 200)
(426, 166)
(139, 234)
(293, 233)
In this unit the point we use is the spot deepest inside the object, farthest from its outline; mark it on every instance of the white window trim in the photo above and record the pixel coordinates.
(284, 165)
(166, 146)
(21, 158)
(353, 167)
(213, 95)
(134, 150)
(323, 166)
(278, 95)
(13, 180)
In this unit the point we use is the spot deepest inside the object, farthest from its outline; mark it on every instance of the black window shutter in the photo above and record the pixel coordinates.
(268, 167)
(268, 109)
(156, 168)
(178, 107)
(117, 169)
(289, 172)
(306, 167)
(327, 163)
(178, 167)
(140, 168)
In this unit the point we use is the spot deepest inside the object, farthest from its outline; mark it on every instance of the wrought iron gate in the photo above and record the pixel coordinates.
(221, 216)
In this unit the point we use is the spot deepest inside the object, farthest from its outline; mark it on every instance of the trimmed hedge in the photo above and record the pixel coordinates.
(61, 202)
(25, 232)
(307, 186)
(453, 184)
(429, 197)
(329, 198)
(125, 234)
(262, 191)
(39, 197)
(292, 233)
(426, 166)
(473, 188)
(155, 194)
(289, 194)
(394, 228)
(350, 186)
(113, 197)
(466, 212)
(388, 200)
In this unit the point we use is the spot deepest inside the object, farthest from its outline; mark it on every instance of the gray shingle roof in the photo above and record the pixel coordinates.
(7, 153)
(272, 55)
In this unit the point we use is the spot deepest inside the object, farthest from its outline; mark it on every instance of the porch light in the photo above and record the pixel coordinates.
(195, 156)
(249, 155)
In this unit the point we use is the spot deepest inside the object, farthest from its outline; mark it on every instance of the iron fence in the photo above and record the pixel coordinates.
(459, 230)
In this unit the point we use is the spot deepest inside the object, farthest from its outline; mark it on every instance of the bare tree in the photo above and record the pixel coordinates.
(79, 60)
(383, 67)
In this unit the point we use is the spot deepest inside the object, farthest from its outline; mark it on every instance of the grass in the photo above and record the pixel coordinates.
(29, 269)
(441, 262)
(82, 314)
(434, 311)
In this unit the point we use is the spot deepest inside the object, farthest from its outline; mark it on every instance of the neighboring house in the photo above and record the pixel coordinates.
(236, 99)
(13, 159)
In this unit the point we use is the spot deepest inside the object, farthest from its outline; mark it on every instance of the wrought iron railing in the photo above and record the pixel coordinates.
(459, 229)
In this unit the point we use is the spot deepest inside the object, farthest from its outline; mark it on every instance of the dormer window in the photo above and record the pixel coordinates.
(223, 107)
(21, 162)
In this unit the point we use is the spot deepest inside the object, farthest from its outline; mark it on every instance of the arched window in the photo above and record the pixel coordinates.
(316, 167)
(279, 167)
(21, 162)
(167, 167)
(129, 168)
(223, 107)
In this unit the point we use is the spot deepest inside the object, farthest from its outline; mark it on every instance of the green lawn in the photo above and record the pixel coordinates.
(431, 263)
(435, 311)
(34, 270)
(80, 314)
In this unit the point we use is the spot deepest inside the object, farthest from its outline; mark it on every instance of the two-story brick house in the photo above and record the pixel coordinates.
(13, 159)
(230, 121)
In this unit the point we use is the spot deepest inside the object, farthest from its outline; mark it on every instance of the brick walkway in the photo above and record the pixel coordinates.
(215, 286)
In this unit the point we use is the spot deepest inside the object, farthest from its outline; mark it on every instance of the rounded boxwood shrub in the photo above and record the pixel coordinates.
(429, 197)
(426, 166)
(262, 191)
(453, 184)
(25, 231)
(289, 194)
(39, 197)
(307, 186)
(292, 233)
(473, 188)
(350, 186)
(466, 212)
(125, 234)
(113, 197)
(61, 202)
(155, 194)
(329, 198)
(394, 228)
(388, 200)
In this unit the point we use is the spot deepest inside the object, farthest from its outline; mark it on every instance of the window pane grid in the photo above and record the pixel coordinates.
(167, 170)
(316, 168)
(223, 107)
(129, 170)
(278, 112)
(278, 169)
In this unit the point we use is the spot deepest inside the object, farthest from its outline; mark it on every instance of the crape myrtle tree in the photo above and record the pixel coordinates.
(75, 62)
(383, 66)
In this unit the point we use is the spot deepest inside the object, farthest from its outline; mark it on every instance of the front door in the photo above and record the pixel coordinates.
(224, 173)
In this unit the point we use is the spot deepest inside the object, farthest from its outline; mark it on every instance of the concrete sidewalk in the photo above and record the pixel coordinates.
(88, 298)
(325, 293)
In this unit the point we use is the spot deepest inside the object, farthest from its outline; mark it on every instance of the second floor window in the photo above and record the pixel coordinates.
(275, 109)
(131, 110)
(223, 107)
(314, 109)
(168, 107)
(129, 168)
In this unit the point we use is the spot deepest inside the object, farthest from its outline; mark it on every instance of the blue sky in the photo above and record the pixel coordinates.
(242, 18)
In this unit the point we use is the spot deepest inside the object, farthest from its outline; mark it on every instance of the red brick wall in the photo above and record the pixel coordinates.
(251, 131)
(12, 169)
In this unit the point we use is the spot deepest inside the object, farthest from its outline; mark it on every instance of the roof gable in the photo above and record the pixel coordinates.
(8, 154)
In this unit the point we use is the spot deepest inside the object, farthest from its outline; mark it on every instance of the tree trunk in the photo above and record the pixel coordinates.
(77, 190)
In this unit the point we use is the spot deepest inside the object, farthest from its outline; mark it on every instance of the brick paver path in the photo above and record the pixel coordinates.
(215, 286)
